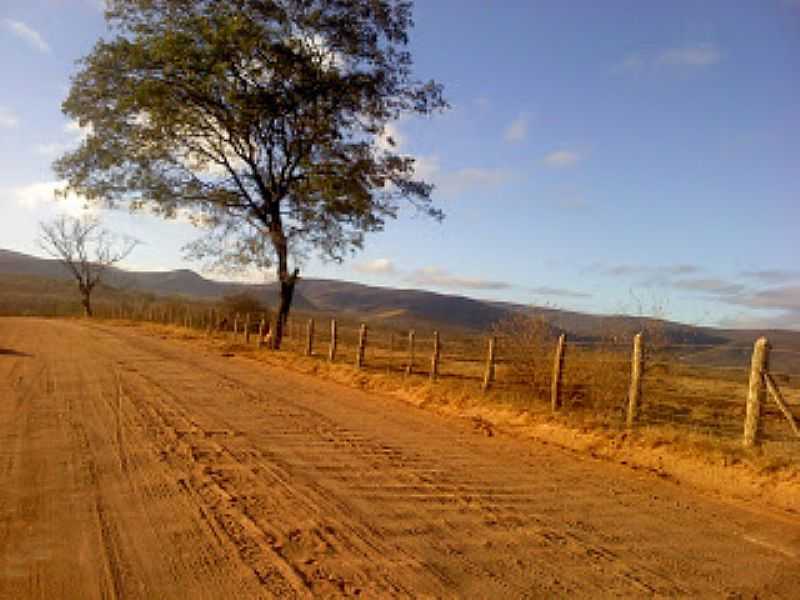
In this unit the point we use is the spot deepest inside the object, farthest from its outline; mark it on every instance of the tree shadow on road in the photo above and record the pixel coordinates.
(9, 352)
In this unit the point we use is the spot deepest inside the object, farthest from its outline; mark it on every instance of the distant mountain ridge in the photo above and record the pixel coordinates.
(406, 307)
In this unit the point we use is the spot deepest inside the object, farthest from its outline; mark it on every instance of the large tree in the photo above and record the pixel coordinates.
(265, 121)
(86, 249)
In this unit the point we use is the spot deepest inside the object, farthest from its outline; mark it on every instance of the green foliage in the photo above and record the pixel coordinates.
(263, 120)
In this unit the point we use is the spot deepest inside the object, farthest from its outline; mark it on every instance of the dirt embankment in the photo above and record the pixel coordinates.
(134, 467)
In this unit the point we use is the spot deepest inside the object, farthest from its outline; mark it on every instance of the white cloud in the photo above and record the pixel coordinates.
(697, 55)
(518, 130)
(26, 33)
(379, 266)
(561, 158)
(436, 277)
(457, 181)
(8, 120)
(42, 195)
(472, 177)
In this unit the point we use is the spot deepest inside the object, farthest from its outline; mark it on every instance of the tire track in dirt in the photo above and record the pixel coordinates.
(253, 500)
(428, 486)
(589, 544)
(224, 478)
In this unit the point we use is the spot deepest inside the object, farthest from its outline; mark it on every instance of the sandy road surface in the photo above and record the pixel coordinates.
(132, 467)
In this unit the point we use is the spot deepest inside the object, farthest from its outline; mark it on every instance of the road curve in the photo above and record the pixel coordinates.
(136, 467)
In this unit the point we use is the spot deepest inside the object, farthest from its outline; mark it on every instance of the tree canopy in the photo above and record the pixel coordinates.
(264, 121)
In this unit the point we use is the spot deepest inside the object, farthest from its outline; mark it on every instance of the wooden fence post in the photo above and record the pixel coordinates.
(410, 365)
(247, 329)
(635, 391)
(756, 392)
(261, 331)
(334, 340)
(435, 357)
(488, 376)
(558, 369)
(362, 344)
(310, 338)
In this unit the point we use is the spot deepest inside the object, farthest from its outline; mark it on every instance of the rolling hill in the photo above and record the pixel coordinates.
(397, 307)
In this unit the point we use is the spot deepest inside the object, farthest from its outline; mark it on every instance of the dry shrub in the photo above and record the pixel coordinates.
(596, 378)
(526, 344)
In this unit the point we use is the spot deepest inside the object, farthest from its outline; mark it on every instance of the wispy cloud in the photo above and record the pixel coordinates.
(8, 120)
(710, 285)
(777, 307)
(748, 320)
(379, 266)
(448, 182)
(517, 131)
(559, 292)
(436, 277)
(26, 33)
(562, 158)
(648, 271)
(697, 55)
(689, 56)
(456, 181)
(783, 297)
(772, 276)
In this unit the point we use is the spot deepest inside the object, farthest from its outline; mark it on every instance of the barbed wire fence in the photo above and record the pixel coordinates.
(624, 381)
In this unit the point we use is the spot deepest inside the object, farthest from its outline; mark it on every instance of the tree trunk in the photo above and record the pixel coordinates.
(288, 282)
(87, 304)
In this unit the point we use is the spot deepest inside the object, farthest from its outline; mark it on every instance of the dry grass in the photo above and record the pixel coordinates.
(689, 411)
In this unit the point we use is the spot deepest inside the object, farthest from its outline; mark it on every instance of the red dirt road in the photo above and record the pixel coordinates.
(133, 467)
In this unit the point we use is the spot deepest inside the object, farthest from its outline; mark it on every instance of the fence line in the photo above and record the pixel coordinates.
(639, 387)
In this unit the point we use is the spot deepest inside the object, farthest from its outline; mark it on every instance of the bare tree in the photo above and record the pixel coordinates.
(85, 248)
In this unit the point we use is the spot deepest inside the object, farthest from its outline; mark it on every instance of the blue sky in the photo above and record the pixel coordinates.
(599, 156)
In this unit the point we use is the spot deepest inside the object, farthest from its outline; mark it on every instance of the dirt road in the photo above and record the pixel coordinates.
(133, 467)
